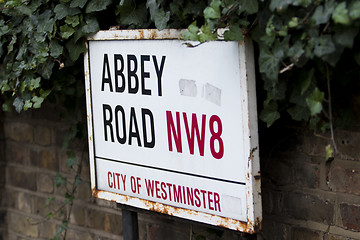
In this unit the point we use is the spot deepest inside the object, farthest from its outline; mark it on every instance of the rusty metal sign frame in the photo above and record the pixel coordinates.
(253, 201)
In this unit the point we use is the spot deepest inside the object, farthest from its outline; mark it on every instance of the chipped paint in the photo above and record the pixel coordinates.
(140, 34)
(219, 221)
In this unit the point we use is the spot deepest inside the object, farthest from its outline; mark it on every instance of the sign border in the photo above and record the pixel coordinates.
(254, 208)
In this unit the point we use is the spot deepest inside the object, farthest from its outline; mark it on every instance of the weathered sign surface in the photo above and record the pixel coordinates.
(173, 126)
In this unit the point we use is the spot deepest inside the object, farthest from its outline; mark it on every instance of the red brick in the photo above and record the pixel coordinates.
(329, 236)
(279, 172)
(308, 207)
(18, 153)
(77, 235)
(156, 231)
(24, 225)
(104, 221)
(20, 132)
(44, 159)
(350, 215)
(41, 209)
(348, 143)
(302, 234)
(307, 174)
(42, 136)
(275, 230)
(48, 230)
(77, 215)
(45, 183)
(21, 178)
(345, 179)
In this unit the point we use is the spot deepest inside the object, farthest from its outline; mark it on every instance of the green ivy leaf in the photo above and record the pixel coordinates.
(25, 10)
(250, 7)
(354, 10)
(44, 93)
(212, 13)
(18, 104)
(78, 3)
(45, 69)
(71, 159)
(78, 181)
(161, 19)
(50, 215)
(72, 20)
(55, 49)
(68, 198)
(340, 14)
(345, 37)
(296, 50)
(307, 81)
(299, 113)
(59, 180)
(49, 200)
(192, 32)
(34, 83)
(97, 5)
(294, 22)
(61, 10)
(66, 31)
(207, 34)
(157, 14)
(270, 113)
(37, 101)
(91, 26)
(234, 33)
(6, 107)
(314, 102)
(323, 45)
(269, 62)
(131, 16)
(28, 104)
(11, 45)
(323, 13)
(328, 152)
(75, 49)
(45, 22)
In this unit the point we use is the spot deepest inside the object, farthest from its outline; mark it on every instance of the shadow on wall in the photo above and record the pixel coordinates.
(2, 177)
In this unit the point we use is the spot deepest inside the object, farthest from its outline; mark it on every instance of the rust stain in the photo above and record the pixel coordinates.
(153, 35)
(234, 224)
(94, 192)
(141, 32)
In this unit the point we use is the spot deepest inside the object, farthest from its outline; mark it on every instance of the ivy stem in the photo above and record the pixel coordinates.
(330, 110)
(74, 187)
(287, 68)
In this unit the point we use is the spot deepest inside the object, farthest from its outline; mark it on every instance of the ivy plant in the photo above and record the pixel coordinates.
(302, 45)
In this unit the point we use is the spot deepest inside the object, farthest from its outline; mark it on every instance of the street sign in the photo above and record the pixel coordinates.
(173, 126)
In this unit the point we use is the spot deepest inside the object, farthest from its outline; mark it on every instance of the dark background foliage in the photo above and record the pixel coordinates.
(307, 51)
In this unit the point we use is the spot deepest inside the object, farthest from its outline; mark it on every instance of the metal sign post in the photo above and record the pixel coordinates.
(130, 225)
(173, 128)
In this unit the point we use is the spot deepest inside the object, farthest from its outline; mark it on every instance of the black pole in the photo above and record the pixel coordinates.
(130, 225)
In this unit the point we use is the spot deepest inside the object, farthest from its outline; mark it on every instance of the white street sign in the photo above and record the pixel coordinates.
(173, 128)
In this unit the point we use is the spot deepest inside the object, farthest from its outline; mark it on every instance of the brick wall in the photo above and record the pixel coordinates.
(34, 155)
(304, 196)
(2, 179)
